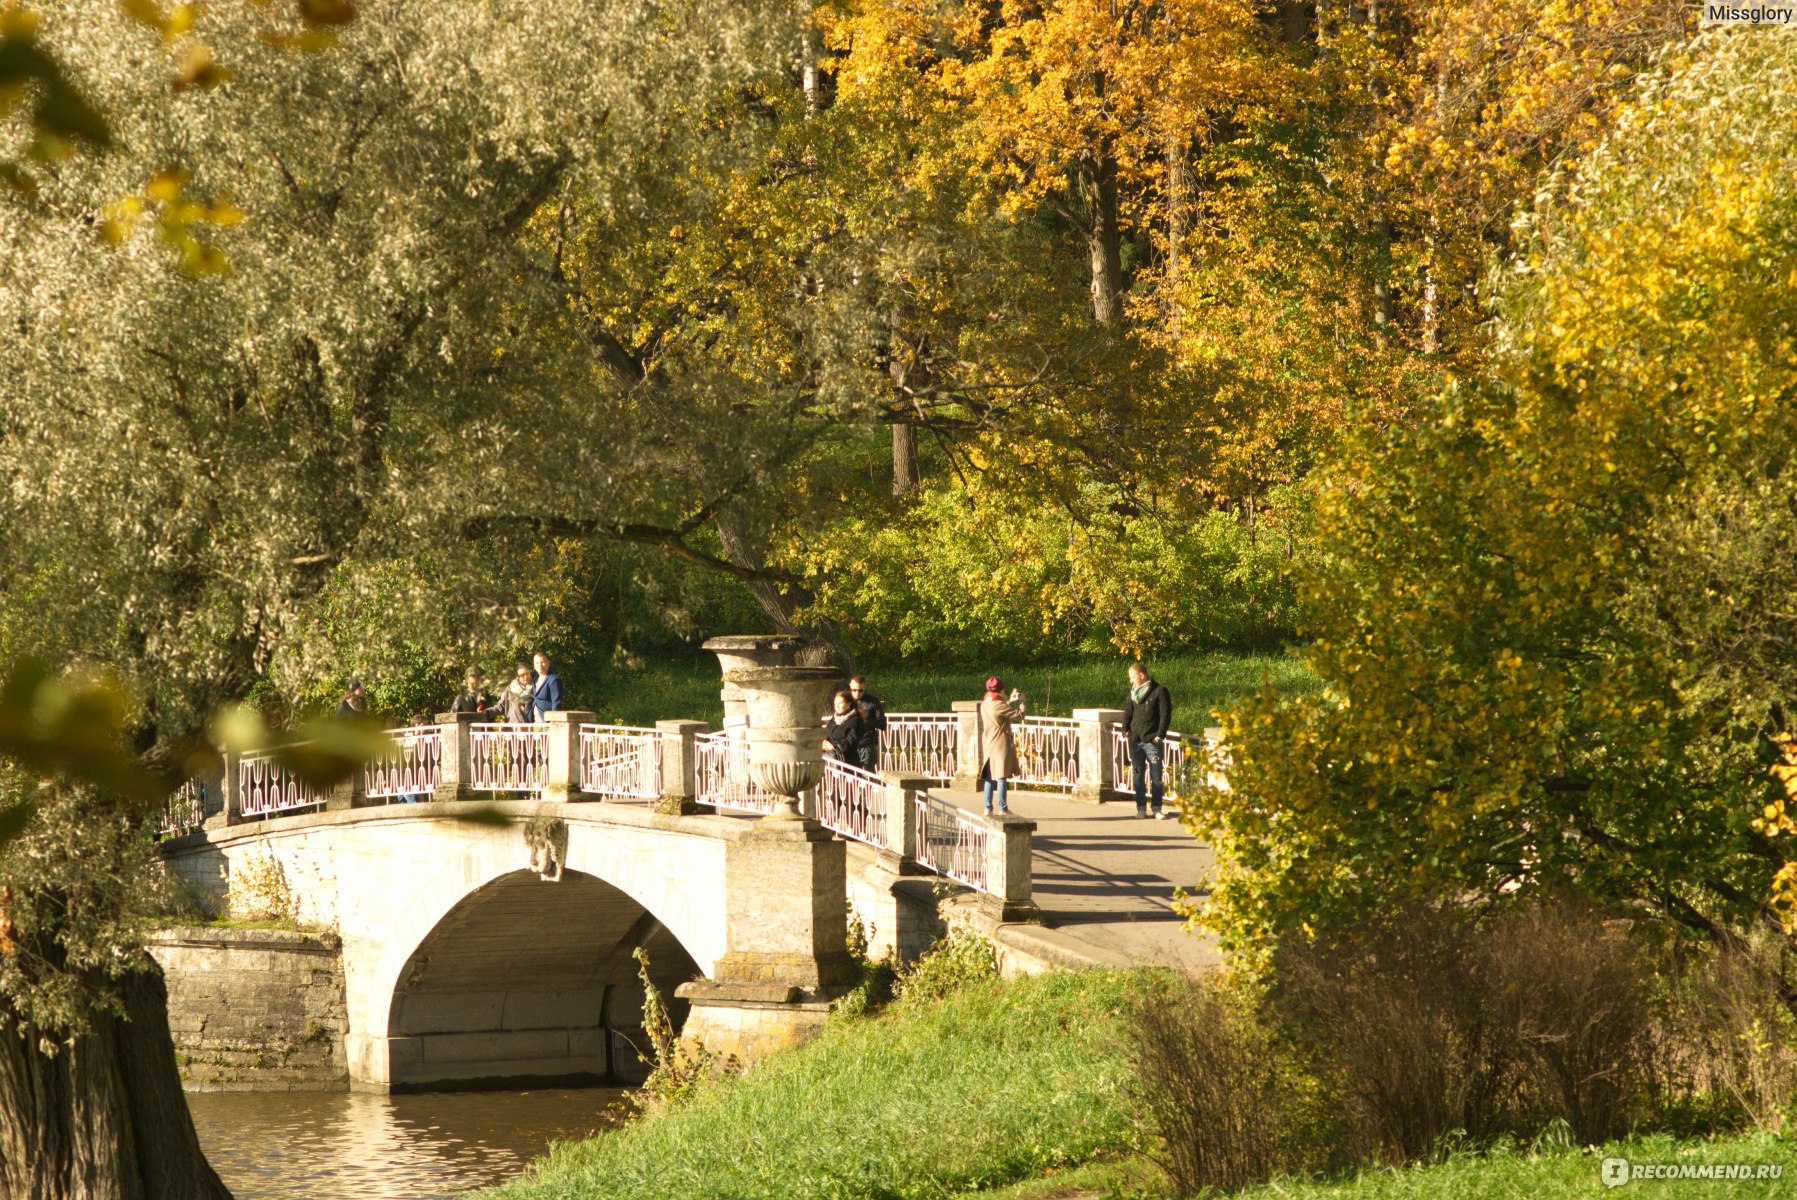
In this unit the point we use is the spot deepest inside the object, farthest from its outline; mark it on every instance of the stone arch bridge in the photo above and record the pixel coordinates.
(494, 940)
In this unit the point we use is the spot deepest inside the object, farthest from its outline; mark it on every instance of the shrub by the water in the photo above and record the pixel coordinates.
(1224, 1097)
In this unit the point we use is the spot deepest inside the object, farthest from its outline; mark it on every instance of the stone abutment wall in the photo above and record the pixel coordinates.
(255, 1009)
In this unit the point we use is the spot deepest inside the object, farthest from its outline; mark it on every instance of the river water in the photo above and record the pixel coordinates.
(351, 1146)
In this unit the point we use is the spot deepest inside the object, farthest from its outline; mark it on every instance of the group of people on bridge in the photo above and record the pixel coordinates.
(852, 729)
(852, 734)
(530, 695)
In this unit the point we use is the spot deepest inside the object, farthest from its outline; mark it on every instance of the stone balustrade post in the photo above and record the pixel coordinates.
(561, 774)
(455, 779)
(1008, 865)
(1096, 757)
(680, 766)
(967, 743)
(231, 789)
(349, 793)
(901, 816)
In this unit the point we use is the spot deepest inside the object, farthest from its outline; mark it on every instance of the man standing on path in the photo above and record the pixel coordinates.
(1145, 718)
(873, 716)
(547, 694)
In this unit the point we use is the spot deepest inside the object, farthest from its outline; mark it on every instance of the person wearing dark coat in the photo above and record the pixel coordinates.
(1146, 716)
(355, 700)
(845, 731)
(474, 696)
(873, 717)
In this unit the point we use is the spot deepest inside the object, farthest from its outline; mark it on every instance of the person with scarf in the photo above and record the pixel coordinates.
(1146, 716)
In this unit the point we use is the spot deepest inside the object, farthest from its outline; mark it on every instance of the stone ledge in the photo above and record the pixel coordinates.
(303, 941)
(586, 812)
(704, 991)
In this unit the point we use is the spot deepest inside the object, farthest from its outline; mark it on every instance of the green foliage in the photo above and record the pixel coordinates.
(955, 575)
(1535, 611)
(682, 1066)
(960, 959)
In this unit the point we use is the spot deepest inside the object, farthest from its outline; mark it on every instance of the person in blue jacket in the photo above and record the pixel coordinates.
(547, 693)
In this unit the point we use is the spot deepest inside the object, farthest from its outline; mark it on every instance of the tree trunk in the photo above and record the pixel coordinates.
(104, 1118)
(1294, 21)
(781, 607)
(904, 458)
(1104, 241)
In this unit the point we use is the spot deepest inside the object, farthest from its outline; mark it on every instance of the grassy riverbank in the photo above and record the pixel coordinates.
(688, 687)
(1015, 1090)
(1004, 1082)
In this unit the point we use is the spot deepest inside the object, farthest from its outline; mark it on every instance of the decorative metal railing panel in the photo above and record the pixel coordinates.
(722, 769)
(920, 744)
(185, 809)
(413, 768)
(952, 842)
(852, 802)
(620, 760)
(508, 758)
(1047, 751)
(265, 787)
(1173, 761)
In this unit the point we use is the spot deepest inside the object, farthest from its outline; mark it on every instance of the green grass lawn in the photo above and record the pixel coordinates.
(1563, 1174)
(1000, 1083)
(1199, 682)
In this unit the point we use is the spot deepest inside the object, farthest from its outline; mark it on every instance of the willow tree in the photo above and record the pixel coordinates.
(1553, 620)
(237, 345)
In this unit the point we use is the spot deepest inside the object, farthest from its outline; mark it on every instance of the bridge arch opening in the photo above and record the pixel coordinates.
(528, 981)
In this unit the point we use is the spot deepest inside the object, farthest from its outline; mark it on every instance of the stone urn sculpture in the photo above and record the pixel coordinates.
(784, 703)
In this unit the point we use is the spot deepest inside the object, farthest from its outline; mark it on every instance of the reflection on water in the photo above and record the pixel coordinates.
(348, 1146)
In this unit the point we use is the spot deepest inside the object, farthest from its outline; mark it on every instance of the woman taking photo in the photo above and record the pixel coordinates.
(998, 748)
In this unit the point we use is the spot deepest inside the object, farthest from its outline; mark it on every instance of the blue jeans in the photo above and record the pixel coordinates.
(1000, 783)
(1145, 761)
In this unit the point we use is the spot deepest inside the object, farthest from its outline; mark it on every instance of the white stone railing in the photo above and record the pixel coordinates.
(620, 760)
(265, 787)
(1173, 761)
(852, 802)
(414, 767)
(953, 842)
(920, 744)
(1047, 751)
(508, 758)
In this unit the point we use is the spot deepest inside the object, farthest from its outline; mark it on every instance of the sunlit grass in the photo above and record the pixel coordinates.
(687, 687)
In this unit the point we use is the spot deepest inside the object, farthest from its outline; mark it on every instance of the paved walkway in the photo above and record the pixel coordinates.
(1105, 878)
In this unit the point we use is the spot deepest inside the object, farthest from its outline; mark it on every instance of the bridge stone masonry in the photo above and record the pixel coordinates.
(489, 942)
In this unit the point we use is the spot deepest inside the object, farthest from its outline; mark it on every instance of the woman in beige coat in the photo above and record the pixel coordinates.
(998, 748)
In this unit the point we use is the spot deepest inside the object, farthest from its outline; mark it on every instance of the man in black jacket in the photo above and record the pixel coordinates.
(873, 716)
(1146, 716)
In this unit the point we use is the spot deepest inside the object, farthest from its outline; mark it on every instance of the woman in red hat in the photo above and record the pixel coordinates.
(998, 748)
